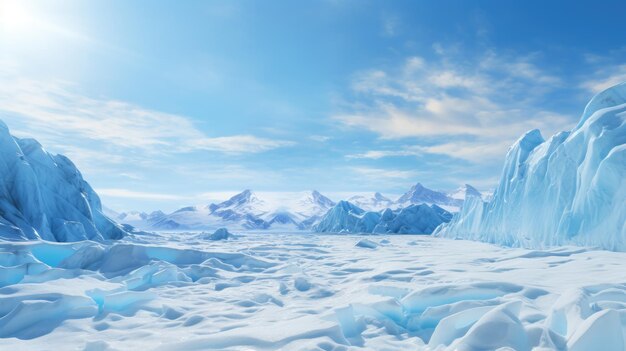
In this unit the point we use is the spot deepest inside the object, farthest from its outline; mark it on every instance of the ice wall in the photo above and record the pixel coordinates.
(569, 189)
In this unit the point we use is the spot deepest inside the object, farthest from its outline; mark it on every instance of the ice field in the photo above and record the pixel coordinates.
(262, 291)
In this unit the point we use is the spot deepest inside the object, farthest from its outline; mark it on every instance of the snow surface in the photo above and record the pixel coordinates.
(44, 196)
(569, 189)
(308, 292)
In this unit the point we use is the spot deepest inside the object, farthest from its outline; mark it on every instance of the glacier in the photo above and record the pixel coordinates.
(44, 196)
(346, 217)
(569, 189)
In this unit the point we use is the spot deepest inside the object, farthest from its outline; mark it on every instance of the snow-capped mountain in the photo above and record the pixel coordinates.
(419, 194)
(44, 196)
(464, 192)
(375, 202)
(569, 189)
(250, 210)
(141, 220)
(346, 217)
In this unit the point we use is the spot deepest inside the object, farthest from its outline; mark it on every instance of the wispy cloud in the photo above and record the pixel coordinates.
(380, 173)
(474, 108)
(238, 144)
(320, 138)
(605, 77)
(131, 194)
(55, 110)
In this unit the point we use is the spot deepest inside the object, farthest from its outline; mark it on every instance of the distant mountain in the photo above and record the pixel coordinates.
(346, 217)
(250, 210)
(376, 202)
(464, 192)
(419, 194)
(140, 220)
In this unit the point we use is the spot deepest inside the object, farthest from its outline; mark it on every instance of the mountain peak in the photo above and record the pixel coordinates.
(322, 200)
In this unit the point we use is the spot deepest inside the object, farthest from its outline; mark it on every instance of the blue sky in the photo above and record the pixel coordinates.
(163, 104)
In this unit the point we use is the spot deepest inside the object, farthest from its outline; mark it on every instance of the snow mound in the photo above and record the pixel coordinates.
(568, 189)
(366, 243)
(44, 196)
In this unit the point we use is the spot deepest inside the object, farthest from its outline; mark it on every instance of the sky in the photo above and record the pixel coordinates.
(164, 104)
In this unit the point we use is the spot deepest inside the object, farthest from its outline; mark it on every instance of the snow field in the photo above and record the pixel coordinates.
(308, 292)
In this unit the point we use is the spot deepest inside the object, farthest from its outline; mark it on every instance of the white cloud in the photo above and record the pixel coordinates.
(490, 100)
(605, 78)
(238, 144)
(131, 194)
(54, 110)
(380, 173)
(320, 138)
(377, 154)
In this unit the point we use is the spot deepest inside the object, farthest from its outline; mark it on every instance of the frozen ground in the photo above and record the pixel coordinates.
(308, 292)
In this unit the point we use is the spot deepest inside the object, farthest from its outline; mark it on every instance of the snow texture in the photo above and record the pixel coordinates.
(569, 189)
(44, 196)
(307, 292)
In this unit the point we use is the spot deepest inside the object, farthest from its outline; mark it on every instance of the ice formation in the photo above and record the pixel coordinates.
(220, 234)
(346, 217)
(44, 196)
(569, 189)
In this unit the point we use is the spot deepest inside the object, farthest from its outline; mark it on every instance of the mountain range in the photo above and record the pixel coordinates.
(250, 210)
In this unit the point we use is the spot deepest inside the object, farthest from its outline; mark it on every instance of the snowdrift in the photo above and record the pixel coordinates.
(569, 189)
(44, 196)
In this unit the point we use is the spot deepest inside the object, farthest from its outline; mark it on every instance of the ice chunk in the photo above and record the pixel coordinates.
(220, 234)
(366, 243)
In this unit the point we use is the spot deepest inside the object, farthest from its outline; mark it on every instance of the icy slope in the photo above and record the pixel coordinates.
(346, 217)
(569, 189)
(44, 196)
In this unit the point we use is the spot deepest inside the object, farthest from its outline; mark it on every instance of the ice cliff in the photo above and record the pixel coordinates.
(44, 196)
(569, 189)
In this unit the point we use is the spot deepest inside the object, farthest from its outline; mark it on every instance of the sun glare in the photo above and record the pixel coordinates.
(16, 18)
